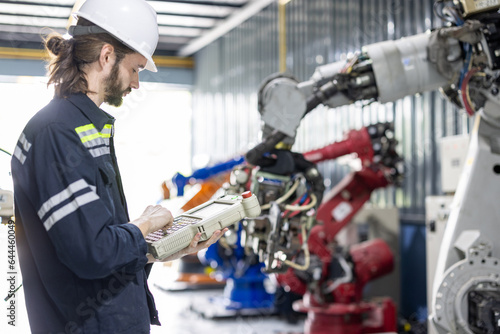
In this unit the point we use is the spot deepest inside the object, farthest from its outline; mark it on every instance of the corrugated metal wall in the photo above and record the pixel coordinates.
(229, 72)
(227, 78)
(226, 121)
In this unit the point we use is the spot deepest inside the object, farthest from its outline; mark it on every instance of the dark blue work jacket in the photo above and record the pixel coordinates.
(83, 266)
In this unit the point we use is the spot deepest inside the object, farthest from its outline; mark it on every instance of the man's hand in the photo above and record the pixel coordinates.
(154, 218)
(194, 246)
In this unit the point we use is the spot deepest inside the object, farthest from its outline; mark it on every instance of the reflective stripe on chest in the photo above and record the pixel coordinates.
(96, 142)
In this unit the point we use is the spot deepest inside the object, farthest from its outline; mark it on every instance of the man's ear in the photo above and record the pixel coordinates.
(107, 57)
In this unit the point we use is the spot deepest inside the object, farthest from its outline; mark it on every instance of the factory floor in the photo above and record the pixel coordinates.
(176, 310)
(187, 311)
(181, 311)
(195, 311)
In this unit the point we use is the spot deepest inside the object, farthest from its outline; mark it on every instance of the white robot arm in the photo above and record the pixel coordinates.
(390, 70)
(462, 60)
(384, 71)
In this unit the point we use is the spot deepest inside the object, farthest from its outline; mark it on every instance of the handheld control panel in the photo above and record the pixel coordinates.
(205, 218)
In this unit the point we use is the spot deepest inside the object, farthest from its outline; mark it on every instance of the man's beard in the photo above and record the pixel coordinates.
(113, 94)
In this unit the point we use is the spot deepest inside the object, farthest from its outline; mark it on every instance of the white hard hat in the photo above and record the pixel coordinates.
(133, 22)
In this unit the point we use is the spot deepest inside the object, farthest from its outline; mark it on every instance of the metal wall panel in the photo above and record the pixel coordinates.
(230, 71)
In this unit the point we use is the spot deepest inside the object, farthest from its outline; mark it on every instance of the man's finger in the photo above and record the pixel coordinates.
(195, 240)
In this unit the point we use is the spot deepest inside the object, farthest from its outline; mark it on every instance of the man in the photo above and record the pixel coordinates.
(83, 260)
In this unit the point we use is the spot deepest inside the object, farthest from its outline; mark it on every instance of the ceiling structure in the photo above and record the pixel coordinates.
(185, 26)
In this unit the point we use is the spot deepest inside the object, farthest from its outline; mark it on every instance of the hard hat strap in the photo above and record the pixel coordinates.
(85, 30)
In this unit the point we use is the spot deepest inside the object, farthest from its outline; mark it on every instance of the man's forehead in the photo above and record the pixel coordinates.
(136, 59)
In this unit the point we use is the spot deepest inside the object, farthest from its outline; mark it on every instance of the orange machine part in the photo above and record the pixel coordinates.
(207, 190)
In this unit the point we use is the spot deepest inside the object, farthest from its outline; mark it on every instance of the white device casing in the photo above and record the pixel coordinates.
(237, 209)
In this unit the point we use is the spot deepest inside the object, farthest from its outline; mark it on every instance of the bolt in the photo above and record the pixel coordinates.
(345, 194)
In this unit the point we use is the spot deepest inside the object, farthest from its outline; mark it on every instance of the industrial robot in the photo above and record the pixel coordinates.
(289, 182)
(306, 257)
(239, 255)
(462, 60)
(332, 285)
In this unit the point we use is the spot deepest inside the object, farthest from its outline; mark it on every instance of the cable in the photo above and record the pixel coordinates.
(4, 151)
(284, 197)
(291, 214)
(452, 12)
(467, 64)
(447, 13)
(439, 11)
(465, 91)
(303, 207)
(307, 256)
(348, 67)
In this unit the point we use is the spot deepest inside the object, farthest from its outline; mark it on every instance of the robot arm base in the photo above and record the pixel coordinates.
(464, 296)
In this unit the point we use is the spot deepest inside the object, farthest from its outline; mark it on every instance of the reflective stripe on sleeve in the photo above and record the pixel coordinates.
(18, 153)
(70, 208)
(26, 144)
(61, 197)
(23, 146)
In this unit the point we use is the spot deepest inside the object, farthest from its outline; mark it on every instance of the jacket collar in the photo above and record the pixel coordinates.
(96, 115)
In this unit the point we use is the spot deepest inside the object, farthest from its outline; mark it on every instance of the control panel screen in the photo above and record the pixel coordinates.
(212, 208)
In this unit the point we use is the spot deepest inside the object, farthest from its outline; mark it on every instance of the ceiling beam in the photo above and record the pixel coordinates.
(167, 7)
(227, 3)
(234, 20)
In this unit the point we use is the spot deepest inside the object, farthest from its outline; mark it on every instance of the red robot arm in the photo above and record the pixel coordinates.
(332, 299)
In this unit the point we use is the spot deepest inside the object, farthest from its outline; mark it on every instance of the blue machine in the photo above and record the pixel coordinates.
(245, 281)
(202, 174)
